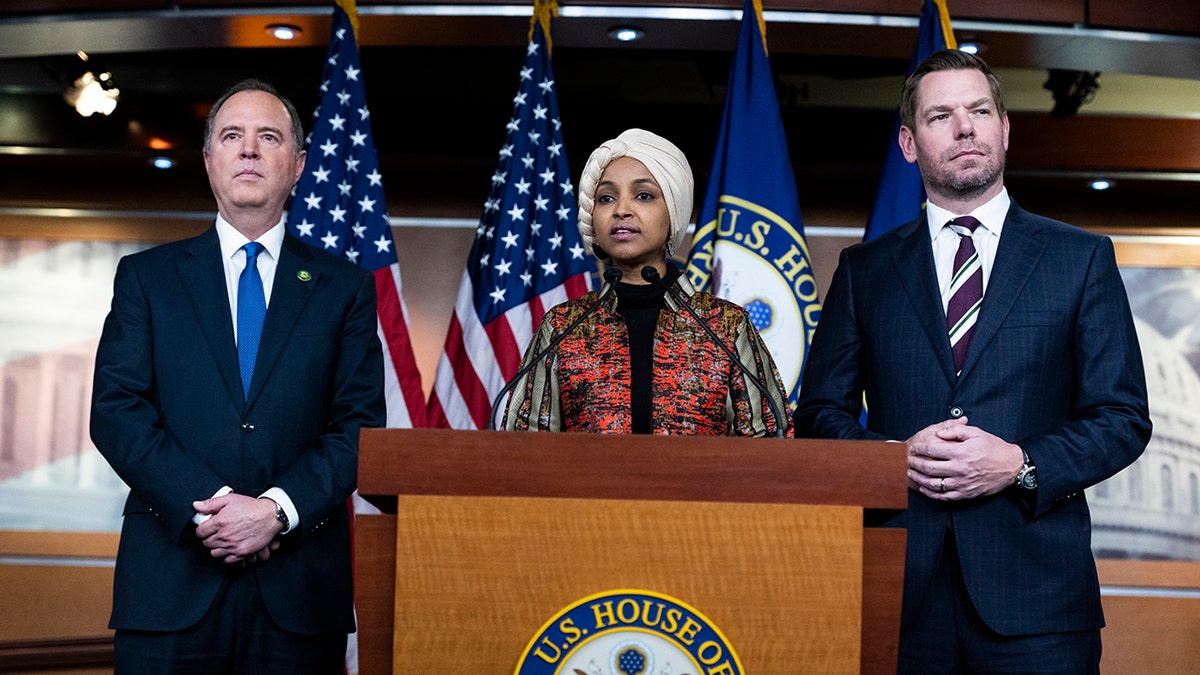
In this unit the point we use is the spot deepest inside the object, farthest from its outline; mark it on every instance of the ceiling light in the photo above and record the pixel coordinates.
(284, 31)
(1101, 184)
(626, 33)
(972, 45)
(93, 93)
(163, 163)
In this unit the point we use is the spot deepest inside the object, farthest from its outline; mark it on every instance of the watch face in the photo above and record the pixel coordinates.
(1028, 478)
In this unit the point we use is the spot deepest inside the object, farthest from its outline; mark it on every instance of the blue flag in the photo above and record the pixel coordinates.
(901, 195)
(749, 244)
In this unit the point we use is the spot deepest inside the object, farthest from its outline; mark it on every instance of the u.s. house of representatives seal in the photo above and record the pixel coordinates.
(629, 632)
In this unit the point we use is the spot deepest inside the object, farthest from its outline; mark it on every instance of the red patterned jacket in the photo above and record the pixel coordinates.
(697, 389)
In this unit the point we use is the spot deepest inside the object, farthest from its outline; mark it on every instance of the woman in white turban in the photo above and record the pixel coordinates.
(633, 359)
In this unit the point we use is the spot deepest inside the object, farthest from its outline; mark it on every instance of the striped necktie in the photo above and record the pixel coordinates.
(251, 311)
(966, 290)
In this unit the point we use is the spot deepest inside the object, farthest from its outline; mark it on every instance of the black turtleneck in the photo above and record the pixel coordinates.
(639, 305)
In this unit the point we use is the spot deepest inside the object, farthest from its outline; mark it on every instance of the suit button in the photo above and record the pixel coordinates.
(247, 427)
(956, 412)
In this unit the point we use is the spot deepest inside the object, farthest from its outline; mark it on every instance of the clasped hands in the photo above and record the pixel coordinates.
(952, 461)
(241, 529)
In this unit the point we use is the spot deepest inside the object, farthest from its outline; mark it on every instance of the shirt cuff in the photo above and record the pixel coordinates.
(277, 495)
(201, 517)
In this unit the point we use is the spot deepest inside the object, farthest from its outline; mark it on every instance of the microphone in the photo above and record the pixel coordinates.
(650, 274)
(612, 275)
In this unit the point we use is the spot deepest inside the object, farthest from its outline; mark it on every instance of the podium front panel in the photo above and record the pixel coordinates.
(477, 577)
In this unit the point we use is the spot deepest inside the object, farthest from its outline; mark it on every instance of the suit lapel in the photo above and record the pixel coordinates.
(294, 283)
(913, 260)
(1021, 247)
(203, 278)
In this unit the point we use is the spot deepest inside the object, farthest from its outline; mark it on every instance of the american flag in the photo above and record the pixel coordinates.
(339, 205)
(527, 256)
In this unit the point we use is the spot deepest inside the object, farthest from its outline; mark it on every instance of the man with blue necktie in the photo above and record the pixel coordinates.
(999, 346)
(234, 373)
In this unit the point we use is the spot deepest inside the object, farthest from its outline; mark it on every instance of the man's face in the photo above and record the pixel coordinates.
(958, 139)
(251, 160)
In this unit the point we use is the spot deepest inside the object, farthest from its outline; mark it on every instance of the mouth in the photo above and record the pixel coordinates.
(623, 232)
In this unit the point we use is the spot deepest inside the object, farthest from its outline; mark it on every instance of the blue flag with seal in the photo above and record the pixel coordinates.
(901, 194)
(749, 244)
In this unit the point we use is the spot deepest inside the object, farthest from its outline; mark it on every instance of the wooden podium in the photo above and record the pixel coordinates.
(496, 532)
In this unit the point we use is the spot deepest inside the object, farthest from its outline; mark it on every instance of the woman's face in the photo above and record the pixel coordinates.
(631, 219)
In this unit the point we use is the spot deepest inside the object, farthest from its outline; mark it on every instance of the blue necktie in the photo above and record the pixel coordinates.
(251, 311)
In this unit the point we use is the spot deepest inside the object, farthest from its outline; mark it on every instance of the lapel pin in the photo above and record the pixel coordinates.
(304, 275)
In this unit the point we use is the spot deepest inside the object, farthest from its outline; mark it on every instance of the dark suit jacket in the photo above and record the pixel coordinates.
(1054, 366)
(168, 414)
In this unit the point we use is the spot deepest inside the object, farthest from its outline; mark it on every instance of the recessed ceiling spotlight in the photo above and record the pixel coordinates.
(1101, 184)
(284, 31)
(163, 163)
(626, 33)
(972, 45)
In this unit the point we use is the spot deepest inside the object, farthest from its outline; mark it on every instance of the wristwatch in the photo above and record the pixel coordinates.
(1027, 476)
(280, 515)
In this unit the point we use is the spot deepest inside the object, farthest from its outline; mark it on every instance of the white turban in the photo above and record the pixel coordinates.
(665, 162)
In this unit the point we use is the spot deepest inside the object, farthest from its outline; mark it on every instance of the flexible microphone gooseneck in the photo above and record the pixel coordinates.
(651, 275)
(612, 276)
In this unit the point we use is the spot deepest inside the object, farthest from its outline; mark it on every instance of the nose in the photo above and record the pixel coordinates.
(964, 125)
(621, 208)
(249, 147)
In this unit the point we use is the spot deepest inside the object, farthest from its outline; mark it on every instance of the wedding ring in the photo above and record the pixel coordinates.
(942, 487)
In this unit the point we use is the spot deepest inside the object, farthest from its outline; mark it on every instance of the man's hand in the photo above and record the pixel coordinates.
(242, 529)
(952, 460)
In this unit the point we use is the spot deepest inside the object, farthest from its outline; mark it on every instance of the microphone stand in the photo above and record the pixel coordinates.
(612, 276)
(652, 276)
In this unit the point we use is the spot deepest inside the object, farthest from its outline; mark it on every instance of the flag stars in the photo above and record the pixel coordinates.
(577, 252)
(539, 203)
(523, 187)
(305, 228)
(338, 214)
(363, 114)
(497, 295)
(358, 138)
(352, 73)
(329, 148)
(499, 178)
(554, 148)
(563, 212)
(550, 268)
(360, 231)
(375, 177)
(531, 49)
(555, 241)
(343, 97)
(383, 244)
(352, 255)
(513, 125)
(330, 239)
(546, 85)
(313, 201)
(321, 174)
(516, 213)
(510, 239)
(526, 279)
(504, 267)
(337, 122)
(520, 98)
(534, 137)
(506, 151)
(528, 160)
(352, 165)
(344, 188)
(539, 112)
(526, 73)
(547, 176)
(367, 204)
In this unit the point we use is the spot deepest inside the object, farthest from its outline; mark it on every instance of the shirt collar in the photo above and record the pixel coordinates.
(231, 240)
(991, 215)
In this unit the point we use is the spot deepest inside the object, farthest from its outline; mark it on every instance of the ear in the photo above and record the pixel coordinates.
(300, 157)
(1006, 132)
(908, 144)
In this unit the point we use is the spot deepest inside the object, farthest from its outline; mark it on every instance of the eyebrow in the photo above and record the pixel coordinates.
(647, 181)
(239, 127)
(977, 103)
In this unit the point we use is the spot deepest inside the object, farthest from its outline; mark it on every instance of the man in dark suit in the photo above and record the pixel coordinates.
(1047, 396)
(234, 554)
